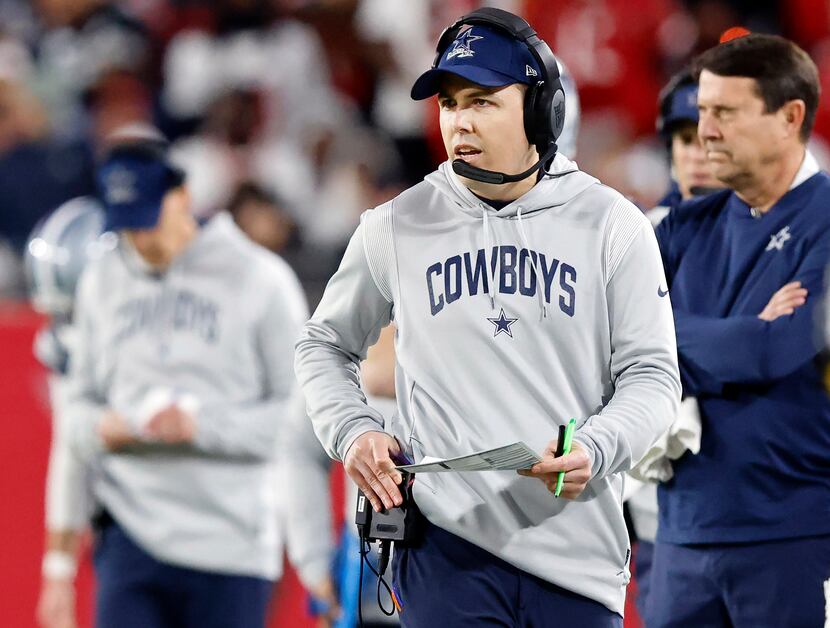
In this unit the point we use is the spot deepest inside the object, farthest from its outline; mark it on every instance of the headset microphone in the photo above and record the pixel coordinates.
(463, 169)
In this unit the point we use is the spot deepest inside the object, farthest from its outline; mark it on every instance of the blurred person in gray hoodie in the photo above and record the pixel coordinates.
(180, 385)
(520, 301)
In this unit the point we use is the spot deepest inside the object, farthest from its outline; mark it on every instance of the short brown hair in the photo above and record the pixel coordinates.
(782, 71)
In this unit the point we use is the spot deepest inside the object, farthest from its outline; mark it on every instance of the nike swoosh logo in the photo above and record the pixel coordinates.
(661, 293)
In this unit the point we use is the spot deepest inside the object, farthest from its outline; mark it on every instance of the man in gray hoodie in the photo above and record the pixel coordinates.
(179, 388)
(520, 300)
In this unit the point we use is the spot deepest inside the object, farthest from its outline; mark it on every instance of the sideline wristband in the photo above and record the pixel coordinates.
(59, 565)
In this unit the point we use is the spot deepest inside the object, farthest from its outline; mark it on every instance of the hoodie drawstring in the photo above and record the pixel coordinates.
(491, 267)
(543, 310)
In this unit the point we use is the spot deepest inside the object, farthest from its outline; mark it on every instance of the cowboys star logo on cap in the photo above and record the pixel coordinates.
(461, 45)
(483, 55)
(120, 186)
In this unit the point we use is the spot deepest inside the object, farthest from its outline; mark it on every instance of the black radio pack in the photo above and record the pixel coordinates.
(402, 524)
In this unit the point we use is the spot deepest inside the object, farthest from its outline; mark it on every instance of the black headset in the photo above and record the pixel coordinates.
(544, 106)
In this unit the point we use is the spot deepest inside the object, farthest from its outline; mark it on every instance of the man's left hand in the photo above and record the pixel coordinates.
(171, 425)
(576, 465)
(325, 594)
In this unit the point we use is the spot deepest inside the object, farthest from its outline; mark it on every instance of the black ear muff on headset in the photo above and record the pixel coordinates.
(544, 106)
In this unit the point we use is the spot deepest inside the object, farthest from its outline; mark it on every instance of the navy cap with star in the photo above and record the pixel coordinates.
(134, 177)
(486, 56)
(132, 189)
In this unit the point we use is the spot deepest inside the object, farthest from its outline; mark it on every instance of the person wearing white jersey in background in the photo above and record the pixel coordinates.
(520, 300)
(180, 386)
(55, 255)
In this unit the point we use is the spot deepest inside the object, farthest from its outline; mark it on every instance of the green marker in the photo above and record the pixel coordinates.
(566, 449)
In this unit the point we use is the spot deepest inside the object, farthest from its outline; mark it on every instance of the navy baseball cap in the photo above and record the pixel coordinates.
(486, 56)
(681, 107)
(131, 188)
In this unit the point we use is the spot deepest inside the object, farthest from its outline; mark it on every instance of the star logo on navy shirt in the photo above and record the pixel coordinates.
(461, 45)
(502, 324)
(777, 241)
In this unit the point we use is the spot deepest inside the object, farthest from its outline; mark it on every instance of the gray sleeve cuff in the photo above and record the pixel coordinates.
(593, 451)
(352, 431)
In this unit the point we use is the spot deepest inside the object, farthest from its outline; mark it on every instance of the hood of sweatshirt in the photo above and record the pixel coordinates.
(562, 182)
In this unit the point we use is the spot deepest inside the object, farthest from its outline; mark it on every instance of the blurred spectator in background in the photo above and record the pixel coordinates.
(56, 254)
(398, 46)
(37, 171)
(745, 269)
(262, 218)
(258, 90)
(260, 86)
(354, 168)
(86, 74)
(82, 46)
(222, 154)
(251, 46)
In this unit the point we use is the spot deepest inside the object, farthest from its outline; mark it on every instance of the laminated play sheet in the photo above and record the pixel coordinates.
(506, 458)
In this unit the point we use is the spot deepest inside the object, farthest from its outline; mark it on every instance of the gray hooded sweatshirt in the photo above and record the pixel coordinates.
(509, 322)
(220, 326)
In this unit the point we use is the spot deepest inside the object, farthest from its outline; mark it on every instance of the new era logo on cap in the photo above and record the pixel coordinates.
(530, 71)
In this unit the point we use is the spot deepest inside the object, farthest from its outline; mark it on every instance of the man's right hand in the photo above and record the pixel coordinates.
(56, 606)
(370, 466)
(784, 302)
(115, 432)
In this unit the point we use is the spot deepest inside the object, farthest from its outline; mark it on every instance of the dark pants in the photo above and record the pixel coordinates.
(449, 582)
(774, 584)
(643, 556)
(137, 591)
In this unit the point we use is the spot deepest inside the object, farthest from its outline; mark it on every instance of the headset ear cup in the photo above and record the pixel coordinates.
(531, 112)
(544, 114)
(556, 112)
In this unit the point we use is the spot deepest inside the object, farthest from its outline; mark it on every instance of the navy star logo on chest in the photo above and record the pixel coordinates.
(502, 324)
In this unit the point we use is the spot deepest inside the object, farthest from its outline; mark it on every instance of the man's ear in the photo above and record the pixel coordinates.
(792, 114)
